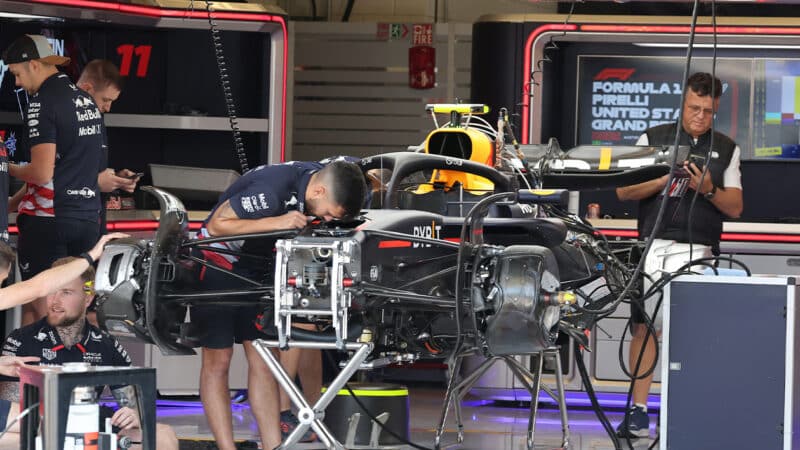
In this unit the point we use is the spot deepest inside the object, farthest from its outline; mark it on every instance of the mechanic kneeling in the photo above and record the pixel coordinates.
(64, 335)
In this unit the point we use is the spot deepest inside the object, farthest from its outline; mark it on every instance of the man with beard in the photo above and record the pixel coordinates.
(267, 198)
(64, 336)
(25, 291)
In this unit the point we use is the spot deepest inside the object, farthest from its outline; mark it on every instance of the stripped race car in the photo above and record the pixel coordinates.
(456, 259)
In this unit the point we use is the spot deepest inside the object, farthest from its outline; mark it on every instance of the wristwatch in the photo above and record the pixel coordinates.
(710, 194)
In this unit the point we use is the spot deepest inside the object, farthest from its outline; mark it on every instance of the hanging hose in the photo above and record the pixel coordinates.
(216, 40)
(348, 10)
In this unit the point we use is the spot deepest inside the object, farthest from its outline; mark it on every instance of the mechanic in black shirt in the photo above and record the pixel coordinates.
(38, 286)
(64, 335)
(101, 79)
(4, 180)
(267, 198)
(59, 211)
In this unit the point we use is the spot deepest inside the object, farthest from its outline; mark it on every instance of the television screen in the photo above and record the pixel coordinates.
(621, 96)
(776, 116)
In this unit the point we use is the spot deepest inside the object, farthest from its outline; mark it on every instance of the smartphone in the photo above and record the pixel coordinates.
(136, 176)
(698, 160)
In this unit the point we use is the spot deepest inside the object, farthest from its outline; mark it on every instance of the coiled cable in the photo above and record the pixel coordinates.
(219, 54)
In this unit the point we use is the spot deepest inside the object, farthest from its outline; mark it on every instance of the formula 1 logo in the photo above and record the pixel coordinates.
(618, 73)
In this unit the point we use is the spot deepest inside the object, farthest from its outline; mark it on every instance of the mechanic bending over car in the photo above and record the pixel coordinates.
(40, 285)
(267, 198)
(720, 196)
(64, 336)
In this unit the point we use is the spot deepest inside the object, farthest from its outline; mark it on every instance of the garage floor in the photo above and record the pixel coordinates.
(486, 426)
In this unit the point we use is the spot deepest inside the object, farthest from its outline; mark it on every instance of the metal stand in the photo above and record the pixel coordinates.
(311, 417)
(532, 381)
(51, 387)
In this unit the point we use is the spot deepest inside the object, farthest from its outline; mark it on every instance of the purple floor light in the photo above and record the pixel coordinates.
(576, 399)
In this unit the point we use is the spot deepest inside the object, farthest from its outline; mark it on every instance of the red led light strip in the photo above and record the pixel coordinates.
(686, 29)
(150, 11)
(748, 237)
(527, 66)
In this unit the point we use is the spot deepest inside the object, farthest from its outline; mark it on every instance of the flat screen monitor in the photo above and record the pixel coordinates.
(619, 97)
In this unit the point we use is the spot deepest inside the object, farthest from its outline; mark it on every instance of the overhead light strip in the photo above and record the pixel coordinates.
(748, 46)
(150, 11)
(160, 12)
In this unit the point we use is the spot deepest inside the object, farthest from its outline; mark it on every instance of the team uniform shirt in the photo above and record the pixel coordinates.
(702, 224)
(60, 113)
(266, 191)
(40, 339)
(732, 174)
(3, 191)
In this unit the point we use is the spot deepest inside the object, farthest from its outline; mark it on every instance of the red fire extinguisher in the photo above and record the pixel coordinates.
(421, 67)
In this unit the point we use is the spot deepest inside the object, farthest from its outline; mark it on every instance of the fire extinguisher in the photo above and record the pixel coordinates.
(421, 67)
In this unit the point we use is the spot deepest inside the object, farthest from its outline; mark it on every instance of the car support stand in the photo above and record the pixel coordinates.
(531, 381)
(307, 415)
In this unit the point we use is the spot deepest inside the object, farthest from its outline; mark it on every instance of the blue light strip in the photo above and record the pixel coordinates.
(573, 398)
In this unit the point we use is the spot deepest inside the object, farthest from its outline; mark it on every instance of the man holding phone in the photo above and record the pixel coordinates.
(681, 238)
(101, 79)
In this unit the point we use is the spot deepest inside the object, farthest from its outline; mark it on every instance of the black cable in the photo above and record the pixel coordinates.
(219, 53)
(587, 383)
(717, 258)
(657, 287)
(369, 413)
(348, 10)
(665, 191)
(710, 151)
(474, 215)
(551, 45)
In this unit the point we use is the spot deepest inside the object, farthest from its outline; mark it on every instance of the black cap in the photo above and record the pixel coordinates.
(32, 46)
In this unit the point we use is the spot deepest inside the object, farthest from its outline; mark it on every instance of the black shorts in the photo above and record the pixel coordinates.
(42, 240)
(225, 325)
(5, 408)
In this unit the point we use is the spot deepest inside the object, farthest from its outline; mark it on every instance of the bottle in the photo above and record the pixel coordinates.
(593, 211)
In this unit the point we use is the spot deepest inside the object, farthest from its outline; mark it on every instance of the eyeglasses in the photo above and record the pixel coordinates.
(695, 110)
